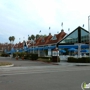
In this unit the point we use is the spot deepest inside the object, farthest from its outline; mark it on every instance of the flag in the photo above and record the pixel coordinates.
(68, 29)
(39, 31)
(57, 31)
(62, 24)
(83, 25)
(49, 28)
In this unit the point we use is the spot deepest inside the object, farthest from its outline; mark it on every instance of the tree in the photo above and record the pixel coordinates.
(37, 36)
(10, 39)
(29, 38)
(44, 35)
(13, 38)
(32, 37)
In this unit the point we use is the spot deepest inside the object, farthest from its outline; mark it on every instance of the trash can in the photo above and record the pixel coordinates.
(55, 55)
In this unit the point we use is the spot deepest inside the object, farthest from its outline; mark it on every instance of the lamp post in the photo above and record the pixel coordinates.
(32, 41)
(33, 46)
(89, 33)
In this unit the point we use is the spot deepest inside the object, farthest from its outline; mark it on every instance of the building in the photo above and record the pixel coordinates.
(78, 39)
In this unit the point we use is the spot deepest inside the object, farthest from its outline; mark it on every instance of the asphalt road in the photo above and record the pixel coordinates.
(22, 63)
(44, 77)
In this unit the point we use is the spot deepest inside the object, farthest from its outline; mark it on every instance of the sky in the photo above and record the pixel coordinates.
(21, 18)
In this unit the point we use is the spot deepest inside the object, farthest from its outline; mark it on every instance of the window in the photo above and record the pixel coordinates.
(84, 36)
(54, 37)
(72, 38)
(42, 40)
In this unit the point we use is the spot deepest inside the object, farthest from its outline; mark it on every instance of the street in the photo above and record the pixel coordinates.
(47, 77)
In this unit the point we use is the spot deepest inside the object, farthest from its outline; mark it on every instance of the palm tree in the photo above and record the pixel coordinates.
(29, 38)
(13, 38)
(32, 37)
(37, 36)
(10, 39)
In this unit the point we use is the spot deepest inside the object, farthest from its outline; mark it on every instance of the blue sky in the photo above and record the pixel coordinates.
(21, 18)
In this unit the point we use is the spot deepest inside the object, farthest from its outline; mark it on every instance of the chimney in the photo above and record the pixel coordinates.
(62, 30)
(49, 34)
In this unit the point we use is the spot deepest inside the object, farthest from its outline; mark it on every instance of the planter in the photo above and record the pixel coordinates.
(22, 58)
(16, 58)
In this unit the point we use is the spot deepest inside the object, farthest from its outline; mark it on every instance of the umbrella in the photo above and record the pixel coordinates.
(62, 51)
(72, 49)
(84, 51)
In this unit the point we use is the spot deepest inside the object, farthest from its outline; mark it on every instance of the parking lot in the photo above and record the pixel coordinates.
(23, 63)
(36, 75)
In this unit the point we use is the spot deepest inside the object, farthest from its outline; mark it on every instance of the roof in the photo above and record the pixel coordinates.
(58, 38)
(73, 32)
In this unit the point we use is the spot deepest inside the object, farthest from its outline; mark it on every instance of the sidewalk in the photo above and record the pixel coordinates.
(64, 63)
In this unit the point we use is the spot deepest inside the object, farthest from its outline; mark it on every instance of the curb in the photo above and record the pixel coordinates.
(56, 64)
(8, 65)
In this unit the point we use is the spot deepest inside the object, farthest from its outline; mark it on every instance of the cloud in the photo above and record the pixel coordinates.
(21, 18)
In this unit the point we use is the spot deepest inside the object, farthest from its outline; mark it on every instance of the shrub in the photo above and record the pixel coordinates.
(72, 59)
(27, 56)
(33, 56)
(45, 59)
(79, 60)
(4, 55)
(49, 59)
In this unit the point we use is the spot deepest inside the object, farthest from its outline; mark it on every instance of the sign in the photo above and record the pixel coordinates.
(85, 86)
(55, 53)
(49, 52)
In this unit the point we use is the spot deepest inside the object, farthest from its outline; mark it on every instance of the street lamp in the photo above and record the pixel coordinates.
(33, 46)
(89, 33)
(32, 41)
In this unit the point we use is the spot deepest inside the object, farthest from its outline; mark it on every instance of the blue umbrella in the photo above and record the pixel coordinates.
(72, 49)
(12, 50)
(62, 51)
(84, 51)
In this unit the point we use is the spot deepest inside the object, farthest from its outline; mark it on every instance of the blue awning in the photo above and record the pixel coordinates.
(43, 48)
(84, 46)
(12, 50)
(30, 49)
(68, 46)
(46, 47)
(40, 48)
(25, 48)
(21, 50)
(51, 47)
(35, 48)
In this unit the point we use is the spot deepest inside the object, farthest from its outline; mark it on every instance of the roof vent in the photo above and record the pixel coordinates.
(49, 33)
(62, 30)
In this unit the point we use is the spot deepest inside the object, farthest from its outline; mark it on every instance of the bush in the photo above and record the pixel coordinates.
(16, 54)
(55, 59)
(79, 60)
(26, 55)
(45, 59)
(33, 56)
(4, 55)
(49, 59)
(71, 59)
